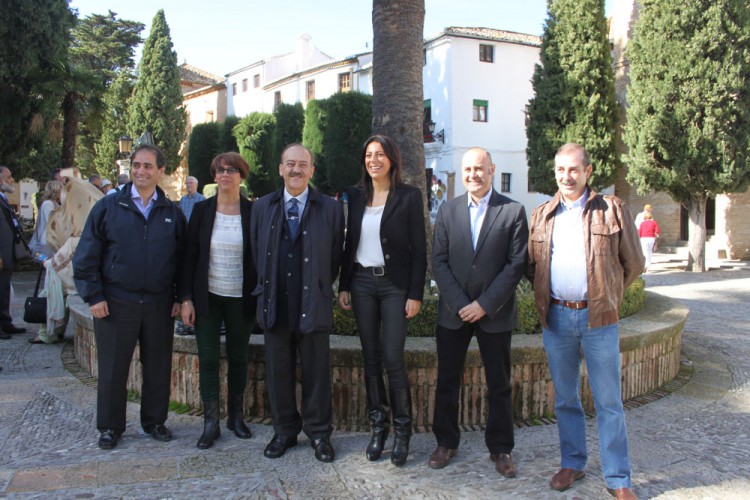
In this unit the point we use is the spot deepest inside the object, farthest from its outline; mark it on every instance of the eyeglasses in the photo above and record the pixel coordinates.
(229, 170)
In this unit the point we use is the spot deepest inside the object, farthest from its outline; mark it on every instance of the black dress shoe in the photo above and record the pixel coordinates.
(13, 329)
(108, 439)
(323, 449)
(160, 433)
(278, 446)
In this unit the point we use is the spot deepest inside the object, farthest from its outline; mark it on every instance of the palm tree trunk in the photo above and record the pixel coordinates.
(70, 129)
(397, 97)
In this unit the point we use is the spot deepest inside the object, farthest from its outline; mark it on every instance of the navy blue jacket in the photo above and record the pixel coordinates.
(123, 255)
(322, 230)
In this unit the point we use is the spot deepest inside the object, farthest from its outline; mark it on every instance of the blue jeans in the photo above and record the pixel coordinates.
(565, 338)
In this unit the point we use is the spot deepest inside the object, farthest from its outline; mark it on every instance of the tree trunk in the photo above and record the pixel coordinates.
(397, 97)
(696, 207)
(70, 129)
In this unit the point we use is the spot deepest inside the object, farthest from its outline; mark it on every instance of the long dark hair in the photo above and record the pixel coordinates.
(391, 151)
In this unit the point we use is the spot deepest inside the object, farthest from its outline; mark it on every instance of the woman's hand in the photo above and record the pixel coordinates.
(345, 301)
(187, 311)
(412, 308)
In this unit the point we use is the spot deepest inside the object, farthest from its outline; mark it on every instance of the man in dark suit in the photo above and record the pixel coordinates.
(478, 258)
(10, 233)
(297, 237)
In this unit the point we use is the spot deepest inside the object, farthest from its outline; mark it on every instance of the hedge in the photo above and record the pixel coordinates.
(423, 325)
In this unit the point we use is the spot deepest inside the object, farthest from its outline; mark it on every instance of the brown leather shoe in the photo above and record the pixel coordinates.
(622, 493)
(504, 464)
(565, 478)
(441, 457)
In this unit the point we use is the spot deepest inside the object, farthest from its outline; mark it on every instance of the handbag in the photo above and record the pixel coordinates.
(35, 307)
(21, 250)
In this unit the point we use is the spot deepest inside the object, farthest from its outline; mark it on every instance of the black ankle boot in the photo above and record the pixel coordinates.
(379, 418)
(235, 416)
(401, 401)
(211, 427)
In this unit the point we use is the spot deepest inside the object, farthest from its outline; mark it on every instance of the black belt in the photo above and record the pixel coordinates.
(571, 304)
(375, 270)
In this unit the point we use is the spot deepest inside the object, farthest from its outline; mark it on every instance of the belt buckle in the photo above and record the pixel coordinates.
(378, 271)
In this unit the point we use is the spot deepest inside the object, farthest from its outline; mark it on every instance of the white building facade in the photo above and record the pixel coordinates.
(477, 83)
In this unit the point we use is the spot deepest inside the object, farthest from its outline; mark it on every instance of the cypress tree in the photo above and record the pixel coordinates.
(156, 104)
(204, 145)
(290, 119)
(254, 135)
(313, 136)
(113, 124)
(349, 125)
(574, 94)
(688, 125)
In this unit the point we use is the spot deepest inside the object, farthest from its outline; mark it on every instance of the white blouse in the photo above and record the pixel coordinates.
(225, 256)
(369, 251)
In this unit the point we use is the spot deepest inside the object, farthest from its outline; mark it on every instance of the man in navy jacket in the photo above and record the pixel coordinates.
(125, 267)
(297, 237)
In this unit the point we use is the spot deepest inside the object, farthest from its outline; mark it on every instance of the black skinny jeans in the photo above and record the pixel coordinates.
(379, 308)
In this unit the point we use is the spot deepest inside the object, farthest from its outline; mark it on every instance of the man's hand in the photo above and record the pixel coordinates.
(176, 310)
(100, 309)
(471, 313)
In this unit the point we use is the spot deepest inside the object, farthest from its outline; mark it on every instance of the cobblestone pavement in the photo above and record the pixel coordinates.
(690, 444)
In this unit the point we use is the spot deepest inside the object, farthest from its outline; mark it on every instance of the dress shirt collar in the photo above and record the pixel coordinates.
(301, 198)
(579, 203)
(484, 199)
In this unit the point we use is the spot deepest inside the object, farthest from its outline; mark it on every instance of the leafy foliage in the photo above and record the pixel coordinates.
(254, 135)
(204, 145)
(423, 325)
(103, 47)
(313, 136)
(114, 120)
(688, 129)
(35, 38)
(574, 94)
(290, 119)
(349, 125)
(156, 104)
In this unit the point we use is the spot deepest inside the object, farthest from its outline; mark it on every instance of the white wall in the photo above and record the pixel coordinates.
(506, 85)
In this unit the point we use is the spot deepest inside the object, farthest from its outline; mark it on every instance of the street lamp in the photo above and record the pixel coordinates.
(440, 135)
(124, 144)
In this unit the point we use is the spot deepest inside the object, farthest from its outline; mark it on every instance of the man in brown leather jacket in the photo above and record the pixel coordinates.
(583, 252)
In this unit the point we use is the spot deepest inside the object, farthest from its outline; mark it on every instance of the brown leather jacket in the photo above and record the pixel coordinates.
(613, 255)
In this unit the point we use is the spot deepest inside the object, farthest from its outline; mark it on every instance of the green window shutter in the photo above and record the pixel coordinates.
(479, 102)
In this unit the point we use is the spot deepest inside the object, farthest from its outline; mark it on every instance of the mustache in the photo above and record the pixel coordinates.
(295, 173)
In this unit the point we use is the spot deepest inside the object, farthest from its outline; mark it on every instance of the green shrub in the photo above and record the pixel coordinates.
(423, 325)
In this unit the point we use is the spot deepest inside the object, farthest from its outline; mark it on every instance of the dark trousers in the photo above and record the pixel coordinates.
(152, 327)
(230, 311)
(494, 348)
(5, 318)
(282, 347)
(379, 308)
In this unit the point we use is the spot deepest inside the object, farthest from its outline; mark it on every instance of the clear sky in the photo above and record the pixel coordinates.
(221, 36)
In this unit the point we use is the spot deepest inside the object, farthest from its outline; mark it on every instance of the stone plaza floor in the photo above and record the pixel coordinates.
(691, 444)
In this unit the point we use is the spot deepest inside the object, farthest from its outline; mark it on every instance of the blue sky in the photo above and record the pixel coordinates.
(223, 35)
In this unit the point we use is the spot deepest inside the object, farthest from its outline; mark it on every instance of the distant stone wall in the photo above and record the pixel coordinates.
(649, 341)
